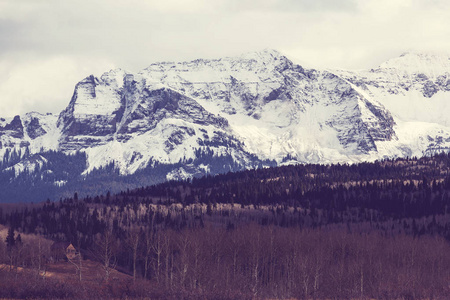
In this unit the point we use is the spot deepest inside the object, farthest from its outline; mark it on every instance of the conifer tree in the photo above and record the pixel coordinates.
(10, 240)
(18, 240)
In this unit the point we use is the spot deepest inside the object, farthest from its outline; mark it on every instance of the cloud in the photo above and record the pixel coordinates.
(43, 85)
(289, 5)
(379, 30)
(77, 38)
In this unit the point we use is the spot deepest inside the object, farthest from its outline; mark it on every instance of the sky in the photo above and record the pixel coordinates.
(47, 46)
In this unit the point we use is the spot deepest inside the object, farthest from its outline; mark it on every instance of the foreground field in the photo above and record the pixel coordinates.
(61, 281)
(91, 271)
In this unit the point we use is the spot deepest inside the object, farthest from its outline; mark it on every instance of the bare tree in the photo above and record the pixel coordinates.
(255, 259)
(157, 248)
(148, 243)
(183, 244)
(133, 243)
(167, 246)
(149, 236)
(195, 258)
(38, 248)
(105, 251)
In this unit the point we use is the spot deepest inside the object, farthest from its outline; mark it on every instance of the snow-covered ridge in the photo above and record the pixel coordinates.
(257, 106)
(429, 64)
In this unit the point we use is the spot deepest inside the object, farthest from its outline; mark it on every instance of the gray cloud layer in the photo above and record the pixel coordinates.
(47, 46)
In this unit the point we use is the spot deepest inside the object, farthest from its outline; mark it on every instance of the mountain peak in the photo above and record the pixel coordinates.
(114, 77)
(428, 63)
(265, 54)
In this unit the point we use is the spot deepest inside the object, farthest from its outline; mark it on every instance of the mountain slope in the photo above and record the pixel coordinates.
(414, 88)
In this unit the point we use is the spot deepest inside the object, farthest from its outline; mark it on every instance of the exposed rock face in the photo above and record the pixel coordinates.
(257, 106)
(13, 129)
(90, 118)
(34, 129)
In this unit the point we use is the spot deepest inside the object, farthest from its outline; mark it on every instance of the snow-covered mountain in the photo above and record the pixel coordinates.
(256, 109)
(415, 89)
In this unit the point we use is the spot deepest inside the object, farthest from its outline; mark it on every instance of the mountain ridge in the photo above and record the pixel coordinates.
(258, 109)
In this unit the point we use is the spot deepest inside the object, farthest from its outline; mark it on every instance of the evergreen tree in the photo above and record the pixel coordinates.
(18, 240)
(10, 241)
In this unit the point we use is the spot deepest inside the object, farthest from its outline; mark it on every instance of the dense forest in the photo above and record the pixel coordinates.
(370, 230)
(27, 177)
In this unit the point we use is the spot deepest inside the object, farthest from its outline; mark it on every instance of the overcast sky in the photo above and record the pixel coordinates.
(47, 46)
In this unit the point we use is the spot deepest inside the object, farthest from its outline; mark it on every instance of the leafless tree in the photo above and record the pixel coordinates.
(147, 251)
(38, 248)
(157, 248)
(168, 253)
(149, 239)
(105, 251)
(183, 245)
(133, 244)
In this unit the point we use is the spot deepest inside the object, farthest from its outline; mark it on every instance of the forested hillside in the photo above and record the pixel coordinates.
(366, 230)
